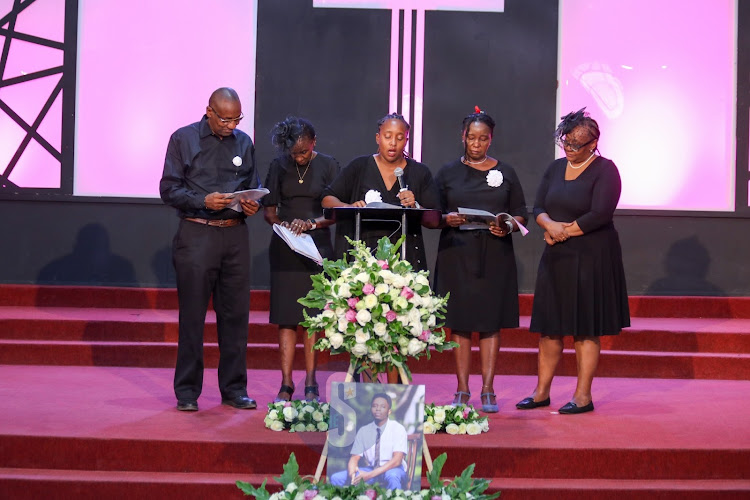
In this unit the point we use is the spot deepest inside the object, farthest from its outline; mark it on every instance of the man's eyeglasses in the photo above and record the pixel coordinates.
(573, 147)
(227, 121)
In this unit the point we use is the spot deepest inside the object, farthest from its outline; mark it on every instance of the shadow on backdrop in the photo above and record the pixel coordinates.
(686, 265)
(91, 262)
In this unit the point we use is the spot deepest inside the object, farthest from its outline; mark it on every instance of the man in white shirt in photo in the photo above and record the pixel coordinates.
(383, 445)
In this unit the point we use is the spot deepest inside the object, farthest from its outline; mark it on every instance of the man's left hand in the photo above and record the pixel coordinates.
(249, 207)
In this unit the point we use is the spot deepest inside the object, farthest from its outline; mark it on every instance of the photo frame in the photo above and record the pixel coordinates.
(356, 411)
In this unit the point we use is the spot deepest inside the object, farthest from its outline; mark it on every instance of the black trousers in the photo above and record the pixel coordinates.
(212, 261)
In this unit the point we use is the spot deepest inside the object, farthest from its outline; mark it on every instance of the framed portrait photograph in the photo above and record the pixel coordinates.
(375, 435)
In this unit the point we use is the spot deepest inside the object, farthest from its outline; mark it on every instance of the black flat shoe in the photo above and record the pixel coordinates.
(284, 389)
(571, 408)
(529, 403)
(240, 402)
(187, 405)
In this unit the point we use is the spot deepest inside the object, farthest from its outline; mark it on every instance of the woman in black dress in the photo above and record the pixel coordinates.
(478, 267)
(580, 286)
(372, 178)
(296, 180)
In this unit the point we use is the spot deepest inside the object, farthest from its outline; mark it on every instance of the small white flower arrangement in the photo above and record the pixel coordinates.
(376, 308)
(494, 178)
(373, 196)
(237, 161)
(298, 416)
(459, 419)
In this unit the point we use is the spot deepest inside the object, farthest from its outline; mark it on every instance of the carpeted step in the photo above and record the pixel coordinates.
(21, 484)
(511, 361)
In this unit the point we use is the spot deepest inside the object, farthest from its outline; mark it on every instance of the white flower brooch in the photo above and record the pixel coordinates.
(237, 161)
(373, 196)
(494, 178)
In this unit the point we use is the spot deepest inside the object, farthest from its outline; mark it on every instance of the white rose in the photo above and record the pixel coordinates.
(307, 409)
(473, 429)
(386, 275)
(363, 317)
(401, 302)
(427, 302)
(431, 321)
(451, 429)
(328, 313)
(422, 280)
(343, 323)
(416, 328)
(360, 305)
(277, 425)
(336, 340)
(300, 427)
(462, 428)
(375, 357)
(291, 487)
(485, 423)
(381, 289)
(289, 413)
(370, 301)
(273, 415)
(310, 428)
(380, 329)
(429, 428)
(345, 290)
(359, 350)
(340, 311)
(415, 347)
(439, 415)
(318, 416)
(415, 315)
(322, 426)
(361, 336)
(237, 161)
(403, 341)
(399, 281)
(363, 277)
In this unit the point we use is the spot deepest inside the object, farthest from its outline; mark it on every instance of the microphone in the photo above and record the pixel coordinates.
(399, 172)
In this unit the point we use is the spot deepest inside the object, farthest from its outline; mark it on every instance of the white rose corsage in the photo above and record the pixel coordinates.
(373, 196)
(237, 161)
(494, 178)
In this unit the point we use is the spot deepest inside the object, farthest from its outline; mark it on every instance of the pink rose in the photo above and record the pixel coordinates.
(466, 412)
(371, 494)
(352, 301)
(425, 336)
(407, 292)
(310, 494)
(368, 288)
(391, 315)
(288, 403)
(351, 315)
(383, 264)
(327, 306)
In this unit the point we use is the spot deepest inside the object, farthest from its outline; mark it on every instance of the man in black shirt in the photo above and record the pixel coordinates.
(205, 162)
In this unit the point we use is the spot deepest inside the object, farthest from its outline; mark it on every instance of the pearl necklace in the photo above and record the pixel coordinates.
(469, 162)
(582, 164)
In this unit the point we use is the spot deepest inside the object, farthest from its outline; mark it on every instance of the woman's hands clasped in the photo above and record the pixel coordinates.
(298, 226)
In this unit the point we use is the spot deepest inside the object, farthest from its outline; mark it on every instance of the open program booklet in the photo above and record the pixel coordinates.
(481, 219)
(302, 244)
(248, 194)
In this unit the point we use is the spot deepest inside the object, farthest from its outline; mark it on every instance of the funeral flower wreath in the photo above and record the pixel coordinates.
(376, 308)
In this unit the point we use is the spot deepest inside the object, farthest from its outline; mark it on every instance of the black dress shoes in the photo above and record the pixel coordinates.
(529, 403)
(187, 405)
(240, 402)
(571, 407)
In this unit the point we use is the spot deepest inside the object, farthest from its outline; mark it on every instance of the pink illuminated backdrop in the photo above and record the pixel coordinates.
(659, 77)
(145, 69)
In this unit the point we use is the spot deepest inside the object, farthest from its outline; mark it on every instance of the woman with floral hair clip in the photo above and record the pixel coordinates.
(478, 266)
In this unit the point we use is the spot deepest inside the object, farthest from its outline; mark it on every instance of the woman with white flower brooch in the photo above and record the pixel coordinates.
(478, 267)
(372, 178)
(296, 179)
(580, 285)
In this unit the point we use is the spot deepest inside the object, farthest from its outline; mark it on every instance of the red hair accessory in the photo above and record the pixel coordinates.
(477, 110)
